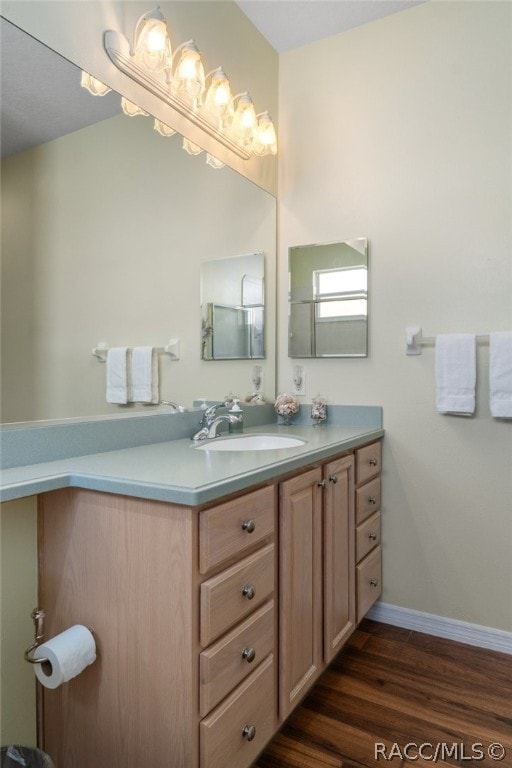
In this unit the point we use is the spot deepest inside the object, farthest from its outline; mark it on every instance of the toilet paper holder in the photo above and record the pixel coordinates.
(37, 615)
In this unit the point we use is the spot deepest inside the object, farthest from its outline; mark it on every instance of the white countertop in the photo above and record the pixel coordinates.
(176, 471)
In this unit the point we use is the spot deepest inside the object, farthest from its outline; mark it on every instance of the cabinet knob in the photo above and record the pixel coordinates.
(321, 483)
(249, 732)
(333, 479)
(373, 462)
(249, 654)
(374, 582)
(372, 536)
(372, 500)
(248, 525)
(249, 591)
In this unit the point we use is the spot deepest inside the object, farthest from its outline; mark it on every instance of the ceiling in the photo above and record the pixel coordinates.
(41, 100)
(289, 24)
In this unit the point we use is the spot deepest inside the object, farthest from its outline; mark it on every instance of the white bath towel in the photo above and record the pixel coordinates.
(117, 375)
(144, 375)
(456, 373)
(500, 374)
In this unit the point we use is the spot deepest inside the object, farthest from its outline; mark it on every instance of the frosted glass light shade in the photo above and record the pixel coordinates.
(265, 141)
(93, 85)
(219, 101)
(213, 162)
(163, 129)
(152, 44)
(189, 73)
(131, 109)
(244, 120)
(191, 148)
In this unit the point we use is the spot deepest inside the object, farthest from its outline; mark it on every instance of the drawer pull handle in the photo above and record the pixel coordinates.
(372, 536)
(321, 483)
(248, 525)
(372, 500)
(374, 582)
(249, 591)
(249, 732)
(333, 479)
(373, 462)
(249, 654)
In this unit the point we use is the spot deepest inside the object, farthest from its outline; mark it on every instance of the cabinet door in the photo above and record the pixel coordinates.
(300, 625)
(339, 561)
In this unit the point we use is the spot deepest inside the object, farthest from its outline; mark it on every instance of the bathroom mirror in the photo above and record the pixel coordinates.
(233, 308)
(104, 231)
(328, 300)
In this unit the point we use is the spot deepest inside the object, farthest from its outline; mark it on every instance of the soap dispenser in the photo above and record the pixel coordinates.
(235, 410)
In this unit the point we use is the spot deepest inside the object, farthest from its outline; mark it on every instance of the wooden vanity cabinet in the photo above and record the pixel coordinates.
(316, 585)
(210, 623)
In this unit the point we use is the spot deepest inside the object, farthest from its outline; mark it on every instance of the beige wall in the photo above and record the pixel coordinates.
(18, 595)
(401, 131)
(103, 235)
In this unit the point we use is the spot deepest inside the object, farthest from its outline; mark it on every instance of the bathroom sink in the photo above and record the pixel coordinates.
(251, 443)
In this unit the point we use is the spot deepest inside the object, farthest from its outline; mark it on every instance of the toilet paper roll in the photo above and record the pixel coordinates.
(68, 654)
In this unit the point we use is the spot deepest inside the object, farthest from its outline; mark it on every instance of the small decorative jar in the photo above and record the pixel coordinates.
(318, 410)
(286, 406)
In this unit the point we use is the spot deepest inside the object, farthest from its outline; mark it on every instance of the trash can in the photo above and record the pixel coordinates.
(16, 756)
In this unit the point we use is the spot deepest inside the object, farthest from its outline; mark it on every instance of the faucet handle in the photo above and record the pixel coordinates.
(210, 412)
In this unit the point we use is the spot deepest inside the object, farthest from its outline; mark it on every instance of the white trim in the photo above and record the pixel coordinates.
(441, 626)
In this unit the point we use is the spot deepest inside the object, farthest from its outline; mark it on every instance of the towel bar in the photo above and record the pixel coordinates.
(414, 340)
(172, 349)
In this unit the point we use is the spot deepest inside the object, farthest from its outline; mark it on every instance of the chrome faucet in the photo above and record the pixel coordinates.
(210, 422)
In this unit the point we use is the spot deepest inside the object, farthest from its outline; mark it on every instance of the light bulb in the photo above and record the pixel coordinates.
(156, 37)
(244, 120)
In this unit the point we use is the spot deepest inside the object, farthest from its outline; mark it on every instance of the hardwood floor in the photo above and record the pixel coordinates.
(391, 687)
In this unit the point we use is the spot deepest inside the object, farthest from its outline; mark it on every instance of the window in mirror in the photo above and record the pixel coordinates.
(328, 300)
(233, 308)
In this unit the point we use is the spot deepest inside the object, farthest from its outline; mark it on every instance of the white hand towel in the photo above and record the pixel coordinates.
(456, 373)
(500, 374)
(117, 375)
(144, 375)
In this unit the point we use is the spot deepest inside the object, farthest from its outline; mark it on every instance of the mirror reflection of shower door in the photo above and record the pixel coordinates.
(231, 337)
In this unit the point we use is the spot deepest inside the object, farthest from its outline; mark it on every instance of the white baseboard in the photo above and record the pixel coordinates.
(440, 626)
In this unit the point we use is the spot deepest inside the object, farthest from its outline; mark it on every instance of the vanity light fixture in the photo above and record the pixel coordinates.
(179, 82)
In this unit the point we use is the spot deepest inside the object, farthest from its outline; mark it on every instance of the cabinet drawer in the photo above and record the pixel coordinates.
(368, 462)
(234, 527)
(367, 536)
(367, 500)
(230, 596)
(235, 656)
(369, 579)
(250, 709)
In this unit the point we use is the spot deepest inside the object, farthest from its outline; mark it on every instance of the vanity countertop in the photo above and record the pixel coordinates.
(176, 471)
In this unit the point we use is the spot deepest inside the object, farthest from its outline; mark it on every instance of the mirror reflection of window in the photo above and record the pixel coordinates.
(340, 293)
